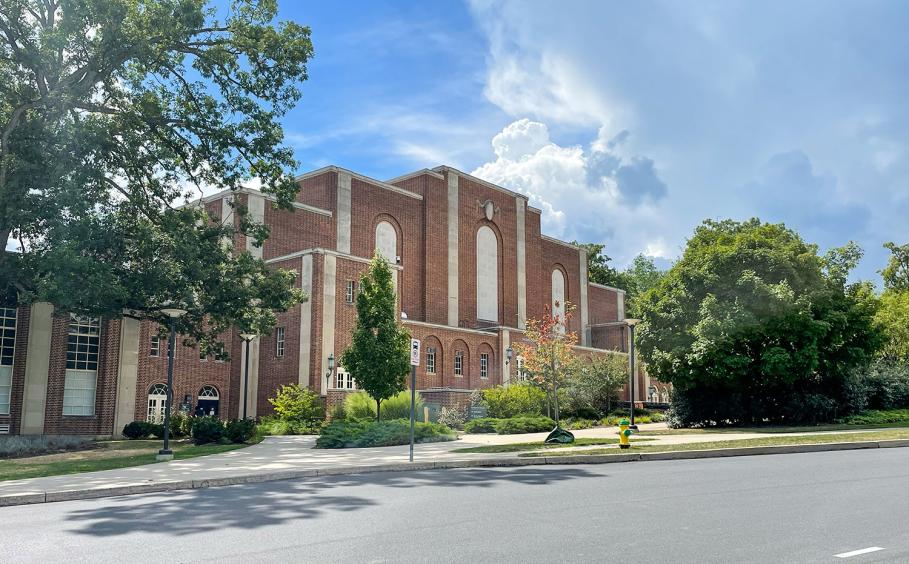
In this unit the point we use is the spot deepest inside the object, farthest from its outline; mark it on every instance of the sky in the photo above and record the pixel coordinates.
(627, 123)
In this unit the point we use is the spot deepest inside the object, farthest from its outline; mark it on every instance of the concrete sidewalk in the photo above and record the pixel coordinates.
(289, 457)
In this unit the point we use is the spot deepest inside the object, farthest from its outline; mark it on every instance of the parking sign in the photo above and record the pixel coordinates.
(415, 352)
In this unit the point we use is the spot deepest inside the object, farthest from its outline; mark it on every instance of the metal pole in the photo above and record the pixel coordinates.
(633, 375)
(246, 378)
(171, 345)
(413, 405)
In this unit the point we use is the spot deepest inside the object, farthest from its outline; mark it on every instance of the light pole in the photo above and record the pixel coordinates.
(632, 376)
(247, 338)
(331, 368)
(172, 314)
(509, 353)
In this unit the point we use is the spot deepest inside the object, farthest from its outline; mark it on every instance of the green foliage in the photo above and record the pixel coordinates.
(142, 430)
(240, 430)
(637, 280)
(594, 385)
(481, 425)
(893, 318)
(359, 405)
(885, 384)
(207, 430)
(273, 425)
(573, 424)
(379, 355)
(357, 433)
(878, 417)
(518, 399)
(298, 404)
(752, 325)
(179, 425)
(599, 270)
(113, 112)
(452, 417)
(524, 424)
(896, 273)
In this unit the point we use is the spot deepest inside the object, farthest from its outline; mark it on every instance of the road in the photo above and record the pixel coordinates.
(781, 508)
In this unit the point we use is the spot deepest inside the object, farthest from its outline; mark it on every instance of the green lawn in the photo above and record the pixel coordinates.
(539, 445)
(771, 429)
(765, 441)
(107, 456)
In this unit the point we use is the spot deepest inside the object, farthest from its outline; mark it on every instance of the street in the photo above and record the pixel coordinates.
(780, 508)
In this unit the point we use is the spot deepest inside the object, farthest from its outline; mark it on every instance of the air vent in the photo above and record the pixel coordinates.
(4, 429)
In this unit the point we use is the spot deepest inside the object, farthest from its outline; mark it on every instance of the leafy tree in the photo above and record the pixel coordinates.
(896, 273)
(599, 270)
(596, 382)
(751, 324)
(298, 404)
(379, 355)
(638, 279)
(112, 112)
(893, 316)
(548, 358)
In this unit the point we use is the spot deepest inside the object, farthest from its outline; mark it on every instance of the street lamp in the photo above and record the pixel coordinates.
(247, 338)
(509, 352)
(172, 313)
(632, 376)
(331, 368)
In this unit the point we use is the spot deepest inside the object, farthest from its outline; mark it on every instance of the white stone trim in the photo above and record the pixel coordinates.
(303, 376)
(453, 227)
(449, 328)
(227, 193)
(559, 242)
(368, 180)
(329, 281)
(343, 222)
(479, 181)
(521, 261)
(415, 173)
(504, 343)
(127, 374)
(37, 364)
(255, 204)
(605, 287)
(321, 251)
(585, 332)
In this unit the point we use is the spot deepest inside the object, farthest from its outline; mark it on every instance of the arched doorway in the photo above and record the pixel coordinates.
(157, 399)
(209, 401)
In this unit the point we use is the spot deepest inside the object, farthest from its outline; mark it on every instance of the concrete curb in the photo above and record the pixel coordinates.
(70, 495)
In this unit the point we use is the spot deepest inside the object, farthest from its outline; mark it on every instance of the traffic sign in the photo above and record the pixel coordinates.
(415, 352)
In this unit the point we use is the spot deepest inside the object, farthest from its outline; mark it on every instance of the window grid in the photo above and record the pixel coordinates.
(431, 360)
(82, 352)
(279, 342)
(209, 392)
(459, 363)
(155, 346)
(7, 351)
(522, 376)
(350, 291)
(157, 397)
(484, 365)
(79, 392)
(344, 381)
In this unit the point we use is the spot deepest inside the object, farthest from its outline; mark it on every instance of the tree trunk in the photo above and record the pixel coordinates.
(378, 410)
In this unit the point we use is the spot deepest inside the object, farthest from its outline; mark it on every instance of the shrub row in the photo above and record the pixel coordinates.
(202, 429)
(358, 433)
(511, 425)
(878, 417)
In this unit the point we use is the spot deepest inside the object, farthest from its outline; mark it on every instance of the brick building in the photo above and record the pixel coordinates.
(470, 266)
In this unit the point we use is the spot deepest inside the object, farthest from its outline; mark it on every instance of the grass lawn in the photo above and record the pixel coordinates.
(107, 456)
(769, 429)
(539, 445)
(766, 441)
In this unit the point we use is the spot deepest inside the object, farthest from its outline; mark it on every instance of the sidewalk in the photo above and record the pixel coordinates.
(290, 457)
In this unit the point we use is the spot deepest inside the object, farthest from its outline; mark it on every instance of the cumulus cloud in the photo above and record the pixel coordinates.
(588, 194)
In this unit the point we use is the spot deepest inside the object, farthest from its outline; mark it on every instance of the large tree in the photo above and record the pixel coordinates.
(113, 113)
(637, 280)
(751, 324)
(379, 354)
(893, 314)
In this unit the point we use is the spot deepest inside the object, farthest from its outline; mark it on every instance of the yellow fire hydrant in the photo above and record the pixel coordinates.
(624, 433)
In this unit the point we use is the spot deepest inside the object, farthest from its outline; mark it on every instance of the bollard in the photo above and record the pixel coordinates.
(624, 433)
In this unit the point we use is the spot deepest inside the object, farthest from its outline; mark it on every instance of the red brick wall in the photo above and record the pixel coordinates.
(448, 340)
(555, 255)
(292, 231)
(602, 305)
(320, 191)
(537, 300)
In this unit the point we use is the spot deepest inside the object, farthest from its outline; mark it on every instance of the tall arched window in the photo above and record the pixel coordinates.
(157, 397)
(487, 274)
(387, 241)
(558, 295)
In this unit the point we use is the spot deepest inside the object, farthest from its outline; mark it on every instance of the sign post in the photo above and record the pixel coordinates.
(414, 362)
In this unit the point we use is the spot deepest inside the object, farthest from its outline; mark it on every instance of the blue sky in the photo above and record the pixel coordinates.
(627, 122)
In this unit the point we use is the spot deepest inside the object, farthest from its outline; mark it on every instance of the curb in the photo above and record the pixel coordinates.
(71, 495)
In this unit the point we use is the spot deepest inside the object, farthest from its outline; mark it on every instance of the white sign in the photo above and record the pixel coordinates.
(415, 352)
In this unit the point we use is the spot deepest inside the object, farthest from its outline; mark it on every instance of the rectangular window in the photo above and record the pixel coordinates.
(519, 362)
(155, 348)
(459, 363)
(430, 360)
(343, 380)
(279, 342)
(7, 351)
(484, 365)
(350, 291)
(82, 351)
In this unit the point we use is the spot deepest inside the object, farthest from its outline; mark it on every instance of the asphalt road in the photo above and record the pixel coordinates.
(782, 508)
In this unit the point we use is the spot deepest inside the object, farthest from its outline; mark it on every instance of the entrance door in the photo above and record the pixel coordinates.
(209, 400)
(157, 398)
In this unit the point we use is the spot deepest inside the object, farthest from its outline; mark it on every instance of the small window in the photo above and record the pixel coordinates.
(484, 365)
(459, 363)
(343, 380)
(220, 354)
(350, 291)
(519, 363)
(279, 342)
(155, 347)
(430, 360)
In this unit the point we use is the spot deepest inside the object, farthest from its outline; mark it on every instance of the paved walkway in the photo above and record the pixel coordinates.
(295, 453)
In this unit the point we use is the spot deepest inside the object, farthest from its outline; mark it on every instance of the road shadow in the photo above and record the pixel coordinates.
(254, 506)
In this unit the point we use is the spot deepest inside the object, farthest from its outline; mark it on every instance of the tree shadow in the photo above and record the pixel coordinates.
(254, 506)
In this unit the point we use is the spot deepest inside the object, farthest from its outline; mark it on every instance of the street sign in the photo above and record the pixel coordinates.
(415, 352)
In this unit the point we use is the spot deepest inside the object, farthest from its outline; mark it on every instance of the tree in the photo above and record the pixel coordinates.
(638, 279)
(548, 358)
(896, 273)
(598, 269)
(596, 382)
(112, 112)
(752, 325)
(379, 355)
(893, 317)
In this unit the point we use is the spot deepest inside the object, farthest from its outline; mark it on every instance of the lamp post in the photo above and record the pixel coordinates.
(632, 376)
(172, 314)
(247, 338)
(331, 368)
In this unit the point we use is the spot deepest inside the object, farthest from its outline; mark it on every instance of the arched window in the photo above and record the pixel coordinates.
(387, 241)
(157, 398)
(487, 274)
(209, 401)
(558, 295)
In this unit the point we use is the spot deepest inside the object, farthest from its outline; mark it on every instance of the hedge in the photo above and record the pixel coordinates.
(357, 433)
